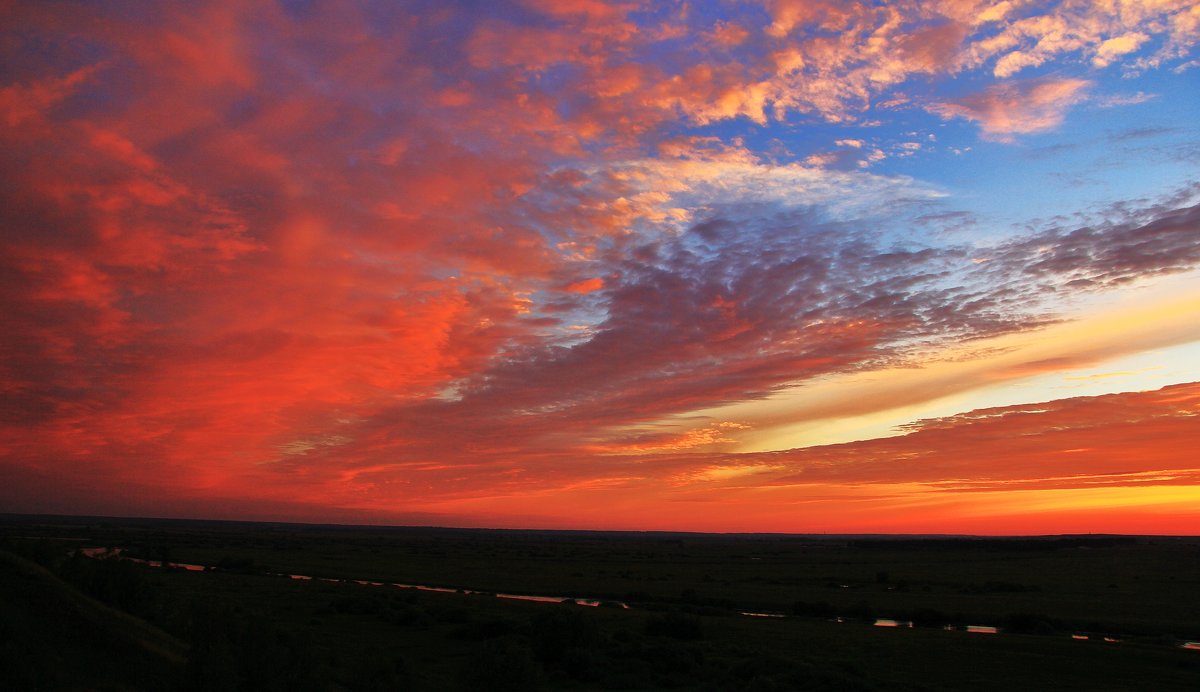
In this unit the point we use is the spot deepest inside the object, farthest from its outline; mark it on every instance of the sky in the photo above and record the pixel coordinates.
(798, 266)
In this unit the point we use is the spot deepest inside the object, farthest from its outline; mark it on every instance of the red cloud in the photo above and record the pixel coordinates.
(315, 256)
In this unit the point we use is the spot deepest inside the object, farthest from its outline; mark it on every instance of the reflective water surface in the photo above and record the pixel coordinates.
(104, 553)
(108, 553)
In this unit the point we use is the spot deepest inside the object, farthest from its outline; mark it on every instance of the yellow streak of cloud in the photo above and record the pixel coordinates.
(860, 405)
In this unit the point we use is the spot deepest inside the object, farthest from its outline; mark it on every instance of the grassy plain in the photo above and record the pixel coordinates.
(683, 630)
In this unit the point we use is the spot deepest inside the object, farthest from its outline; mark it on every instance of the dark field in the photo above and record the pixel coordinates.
(82, 623)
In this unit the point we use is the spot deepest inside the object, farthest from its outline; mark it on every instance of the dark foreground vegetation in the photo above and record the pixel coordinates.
(70, 622)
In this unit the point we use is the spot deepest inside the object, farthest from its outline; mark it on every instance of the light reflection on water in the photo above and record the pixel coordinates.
(101, 552)
(112, 553)
(1195, 646)
(588, 602)
(887, 622)
(974, 629)
(535, 599)
(435, 589)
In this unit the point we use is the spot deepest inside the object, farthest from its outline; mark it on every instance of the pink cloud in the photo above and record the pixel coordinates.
(21, 102)
(1009, 109)
(787, 15)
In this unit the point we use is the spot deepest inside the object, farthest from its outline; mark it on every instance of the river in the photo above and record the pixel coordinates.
(118, 553)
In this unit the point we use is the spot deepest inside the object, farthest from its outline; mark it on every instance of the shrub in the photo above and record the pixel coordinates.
(676, 626)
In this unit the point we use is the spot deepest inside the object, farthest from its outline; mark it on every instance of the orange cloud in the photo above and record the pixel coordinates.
(586, 286)
(1112, 463)
(1031, 36)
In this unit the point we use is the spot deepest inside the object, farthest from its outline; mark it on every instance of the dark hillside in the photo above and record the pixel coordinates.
(52, 637)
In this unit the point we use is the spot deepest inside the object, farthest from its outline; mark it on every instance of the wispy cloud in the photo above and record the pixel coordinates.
(353, 255)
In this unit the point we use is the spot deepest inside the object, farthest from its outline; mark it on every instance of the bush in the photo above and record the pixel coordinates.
(675, 626)
(1028, 623)
(822, 609)
(480, 630)
(555, 631)
(503, 665)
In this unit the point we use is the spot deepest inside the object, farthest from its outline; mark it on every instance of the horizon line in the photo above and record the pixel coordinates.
(821, 535)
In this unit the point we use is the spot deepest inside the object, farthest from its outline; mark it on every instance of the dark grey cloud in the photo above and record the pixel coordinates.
(1103, 256)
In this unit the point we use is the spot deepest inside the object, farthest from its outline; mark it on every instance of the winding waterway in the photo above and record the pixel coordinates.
(118, 553)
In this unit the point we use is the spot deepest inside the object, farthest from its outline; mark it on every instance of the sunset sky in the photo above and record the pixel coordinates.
(789, 265)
